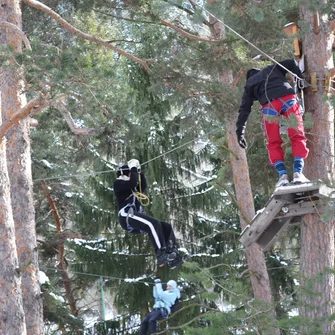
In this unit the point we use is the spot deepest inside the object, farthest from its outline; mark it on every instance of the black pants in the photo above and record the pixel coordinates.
(150, 321)
(160, 232)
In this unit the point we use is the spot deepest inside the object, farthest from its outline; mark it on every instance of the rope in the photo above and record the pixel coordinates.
(244, 39)
(142, 198)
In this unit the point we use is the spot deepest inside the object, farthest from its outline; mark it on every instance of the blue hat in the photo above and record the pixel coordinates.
(171, 283)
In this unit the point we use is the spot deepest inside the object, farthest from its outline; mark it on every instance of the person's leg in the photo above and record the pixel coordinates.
(155, 316)
(298, 140)
(271, 121)
(170, 238)
(147, 224)
(297, 133)
(145, 325)
(153, 227)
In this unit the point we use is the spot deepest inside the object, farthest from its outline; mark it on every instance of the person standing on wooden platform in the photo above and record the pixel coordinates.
(277, 97)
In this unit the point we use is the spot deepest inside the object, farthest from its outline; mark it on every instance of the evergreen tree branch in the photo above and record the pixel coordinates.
(234, 200)
(31, 108)
(79, 33)
(18, 31)
(210, 310)
(242, 9)
(125, 18)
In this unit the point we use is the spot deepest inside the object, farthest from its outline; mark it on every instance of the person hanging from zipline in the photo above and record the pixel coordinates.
(164, 303)
(130, 180)
(277, 98)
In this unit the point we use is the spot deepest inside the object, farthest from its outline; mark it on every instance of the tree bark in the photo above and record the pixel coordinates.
(12, 315)
(317, 236)
(61, 252)
(19, 170)
(255, 257)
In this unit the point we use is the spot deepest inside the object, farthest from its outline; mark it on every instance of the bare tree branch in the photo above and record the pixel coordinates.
(31, 108)
(237, 78)
(62, 265)
(69, 120)
(17, 30)
(79, 33)
(186, 34)
(166, 24)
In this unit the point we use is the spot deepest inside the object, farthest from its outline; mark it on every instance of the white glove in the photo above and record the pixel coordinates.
(134, 163)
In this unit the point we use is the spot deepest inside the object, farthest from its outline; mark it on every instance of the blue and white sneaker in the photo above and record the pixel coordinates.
(164, 258)
(283, 181)
(299, 178)
(178, 261)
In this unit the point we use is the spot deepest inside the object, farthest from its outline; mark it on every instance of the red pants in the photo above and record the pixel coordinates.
(285, 106)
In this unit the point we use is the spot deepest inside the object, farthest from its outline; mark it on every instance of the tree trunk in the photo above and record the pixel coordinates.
(61, 252)
(317, 236)
(12, 316)
(254, 255)
(19, 169)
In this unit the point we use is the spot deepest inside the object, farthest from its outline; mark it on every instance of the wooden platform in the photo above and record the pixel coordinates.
(286, 207)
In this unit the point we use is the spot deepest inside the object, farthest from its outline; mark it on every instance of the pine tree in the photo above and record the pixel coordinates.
(162, 92)
(317, 235)
(19, 170)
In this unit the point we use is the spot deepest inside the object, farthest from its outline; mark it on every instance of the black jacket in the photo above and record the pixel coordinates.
(123, 189)
(266, 85)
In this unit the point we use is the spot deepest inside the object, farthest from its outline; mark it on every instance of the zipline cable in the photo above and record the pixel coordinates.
(129, 280)
(246, 40)
(187, 143)
(89, 174)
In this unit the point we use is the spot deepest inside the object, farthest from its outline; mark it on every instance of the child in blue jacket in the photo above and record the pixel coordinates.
(162, 306)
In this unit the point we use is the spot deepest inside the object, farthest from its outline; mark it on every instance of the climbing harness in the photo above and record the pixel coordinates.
(142, 198)
(287, 105)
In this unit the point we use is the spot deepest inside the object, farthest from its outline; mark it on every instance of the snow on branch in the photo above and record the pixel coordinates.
(79, 33)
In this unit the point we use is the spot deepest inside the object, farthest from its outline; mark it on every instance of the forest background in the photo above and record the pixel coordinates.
(87, 85)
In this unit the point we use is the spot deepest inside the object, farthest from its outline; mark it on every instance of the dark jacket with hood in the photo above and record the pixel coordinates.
(124, 186)
(264, 86)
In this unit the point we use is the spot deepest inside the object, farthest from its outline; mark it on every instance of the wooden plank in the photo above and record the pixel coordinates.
(261, 221)
(272, 233)
(287, 205)
(325, 191)
(302, 208)
(317, 188)
(307, 187)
